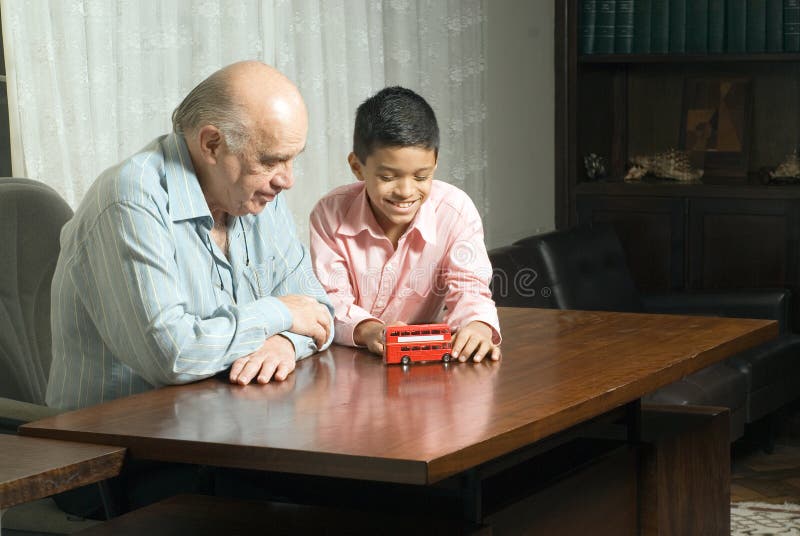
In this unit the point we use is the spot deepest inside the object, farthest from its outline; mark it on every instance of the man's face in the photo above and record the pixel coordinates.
(263, 169)
(398, 180)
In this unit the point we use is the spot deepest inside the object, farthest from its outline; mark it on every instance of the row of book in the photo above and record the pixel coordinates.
(689, 26)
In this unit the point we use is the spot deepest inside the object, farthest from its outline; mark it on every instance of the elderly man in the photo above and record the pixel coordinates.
(183, 261)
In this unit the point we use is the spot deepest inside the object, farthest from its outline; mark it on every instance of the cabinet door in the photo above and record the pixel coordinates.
(651, 230)
(743, 243)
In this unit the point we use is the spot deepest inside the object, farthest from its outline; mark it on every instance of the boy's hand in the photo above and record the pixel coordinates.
(369, 333)
(372, 334)
(475, 340)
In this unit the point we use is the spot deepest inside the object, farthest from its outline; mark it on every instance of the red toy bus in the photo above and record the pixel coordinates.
(421, 342)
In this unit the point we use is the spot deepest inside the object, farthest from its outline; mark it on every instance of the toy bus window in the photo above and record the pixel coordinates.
(426, 347)
(425, 332)
(406, 333)
(405, 349)
(394, 334)
(446, 345)
(437, 347)
(416, 348)
(434, 331)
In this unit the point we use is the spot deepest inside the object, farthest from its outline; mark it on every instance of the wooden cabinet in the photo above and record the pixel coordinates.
(731, 231)
(651, 230)
(743, 242)
(682, 237)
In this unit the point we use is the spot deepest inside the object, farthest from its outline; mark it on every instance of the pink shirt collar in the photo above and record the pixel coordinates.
(360, 218)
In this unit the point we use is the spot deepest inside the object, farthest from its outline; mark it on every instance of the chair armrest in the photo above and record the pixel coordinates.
(13, 413)
(770, 304)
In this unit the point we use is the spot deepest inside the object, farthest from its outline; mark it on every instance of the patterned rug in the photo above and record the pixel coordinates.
(753, 518)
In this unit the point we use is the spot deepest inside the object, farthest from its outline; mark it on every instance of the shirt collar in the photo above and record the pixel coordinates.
(360, 218)
(185, 195)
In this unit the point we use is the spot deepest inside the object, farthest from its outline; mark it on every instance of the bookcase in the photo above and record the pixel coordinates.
(729, 231)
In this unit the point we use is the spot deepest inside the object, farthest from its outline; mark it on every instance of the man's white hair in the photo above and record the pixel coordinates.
(210, 103)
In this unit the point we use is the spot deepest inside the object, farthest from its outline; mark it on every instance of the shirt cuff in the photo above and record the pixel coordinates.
(273, 315)
(345, 327)
(303, 346)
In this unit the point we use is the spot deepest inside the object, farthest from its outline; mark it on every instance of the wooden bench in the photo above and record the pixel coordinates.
(33, 468)
(200, 515)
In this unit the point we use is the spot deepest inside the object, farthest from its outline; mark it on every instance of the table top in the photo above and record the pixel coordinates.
(343, 413)
(32, 468)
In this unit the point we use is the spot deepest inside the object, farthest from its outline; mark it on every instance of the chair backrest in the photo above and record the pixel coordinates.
(578, 268)
(516, 278)
(31, 217)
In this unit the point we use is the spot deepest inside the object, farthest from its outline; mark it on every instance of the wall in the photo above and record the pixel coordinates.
(521, 108)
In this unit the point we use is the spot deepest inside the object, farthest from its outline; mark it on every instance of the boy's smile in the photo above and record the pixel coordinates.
(398, 180)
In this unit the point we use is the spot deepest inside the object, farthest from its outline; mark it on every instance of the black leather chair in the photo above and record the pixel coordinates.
(585, 268)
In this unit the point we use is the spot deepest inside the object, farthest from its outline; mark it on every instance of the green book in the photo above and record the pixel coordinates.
(716, 26)
(604, 27)
(736, 25)
(659, 27)
(756, 26)
(677, 26)
(642, 14)
(586, 24)
(623, 27)
(697, 26)
(791, 25)
(774, 25)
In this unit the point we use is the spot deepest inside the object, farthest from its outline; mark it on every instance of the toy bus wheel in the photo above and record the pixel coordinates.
(405, 360)
(446, 358)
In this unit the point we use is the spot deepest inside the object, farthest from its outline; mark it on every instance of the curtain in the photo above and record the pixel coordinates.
(92, 81)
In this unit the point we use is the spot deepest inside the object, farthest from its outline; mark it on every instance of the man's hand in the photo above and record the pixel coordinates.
(275, 359)
(309, 317)
(475, 340)
(369, 333)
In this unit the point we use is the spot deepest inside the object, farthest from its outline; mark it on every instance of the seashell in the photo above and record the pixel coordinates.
(670, 164)
(789, 168)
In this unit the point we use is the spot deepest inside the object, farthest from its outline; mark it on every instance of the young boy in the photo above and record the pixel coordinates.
(397, 246)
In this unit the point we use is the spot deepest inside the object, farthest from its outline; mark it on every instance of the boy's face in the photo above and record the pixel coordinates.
(398, 180)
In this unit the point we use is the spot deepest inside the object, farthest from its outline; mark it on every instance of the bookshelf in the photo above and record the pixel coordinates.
(730, 231)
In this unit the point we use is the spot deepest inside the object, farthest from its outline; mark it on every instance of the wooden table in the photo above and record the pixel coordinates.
(32, 468)
(345, 414)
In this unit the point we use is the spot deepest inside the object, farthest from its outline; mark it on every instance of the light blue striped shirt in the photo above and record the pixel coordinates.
(142, 297)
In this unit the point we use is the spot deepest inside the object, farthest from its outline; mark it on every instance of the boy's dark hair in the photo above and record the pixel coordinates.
(394, 117)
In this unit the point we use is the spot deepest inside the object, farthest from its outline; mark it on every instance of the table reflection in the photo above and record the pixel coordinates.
(343, 398)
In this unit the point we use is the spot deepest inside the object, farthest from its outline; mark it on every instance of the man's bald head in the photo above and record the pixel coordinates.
(235, 97)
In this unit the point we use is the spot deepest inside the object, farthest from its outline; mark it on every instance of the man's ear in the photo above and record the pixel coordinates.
(211, 142)
(355, 166)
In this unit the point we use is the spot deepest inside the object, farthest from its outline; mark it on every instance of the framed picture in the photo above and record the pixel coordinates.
(715, 124)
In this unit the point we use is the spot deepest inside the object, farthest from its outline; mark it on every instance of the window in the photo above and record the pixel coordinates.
(5, 136)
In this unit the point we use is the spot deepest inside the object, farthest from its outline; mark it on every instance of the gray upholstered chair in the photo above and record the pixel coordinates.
(31, 217)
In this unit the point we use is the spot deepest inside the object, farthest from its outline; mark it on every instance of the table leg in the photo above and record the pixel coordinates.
(110, 508)
(633, 419)
(472, 496)
(685, 477)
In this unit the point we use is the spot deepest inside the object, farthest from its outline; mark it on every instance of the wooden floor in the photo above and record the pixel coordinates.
(771, 478)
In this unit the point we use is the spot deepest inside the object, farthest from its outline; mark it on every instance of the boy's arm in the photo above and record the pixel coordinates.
(333, 269)
(467, 272)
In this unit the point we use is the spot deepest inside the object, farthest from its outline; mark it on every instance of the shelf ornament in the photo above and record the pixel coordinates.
(671, 164)
(595, 166)
(788, 171)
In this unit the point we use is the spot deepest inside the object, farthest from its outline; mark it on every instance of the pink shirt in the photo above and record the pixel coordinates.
(439, 272)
